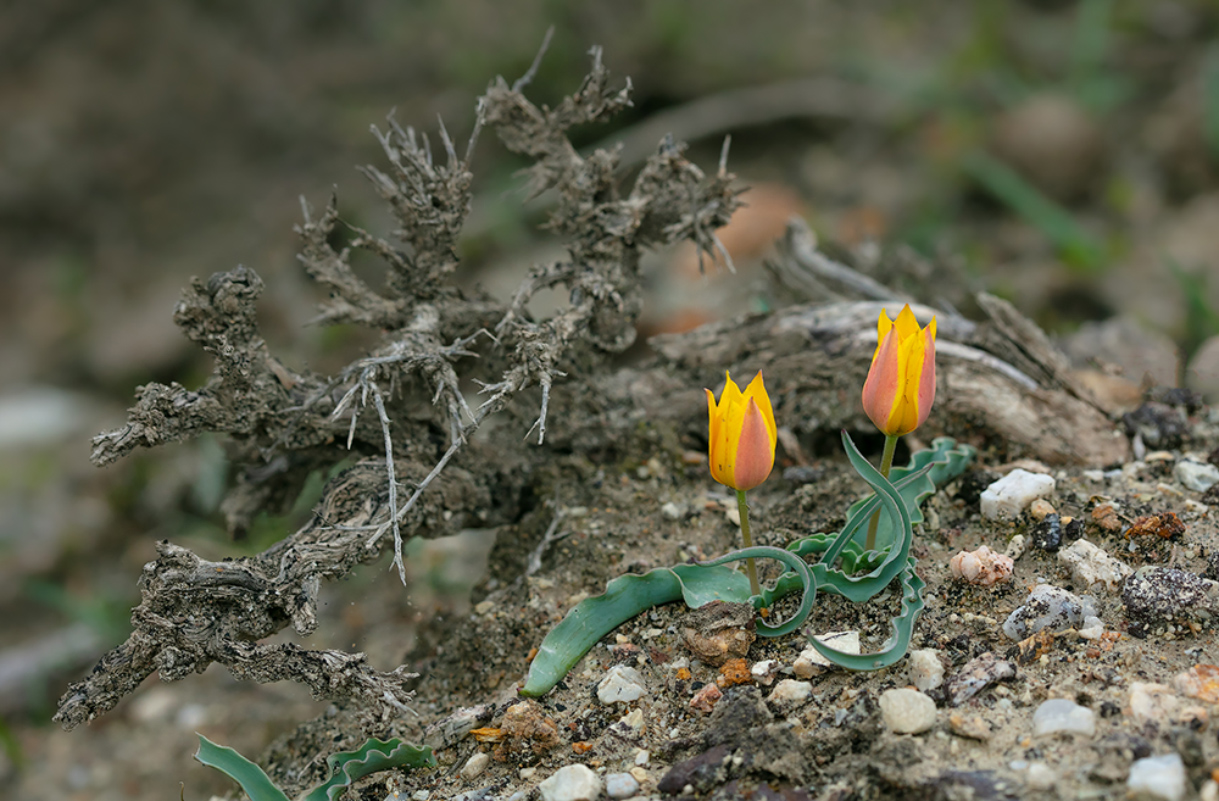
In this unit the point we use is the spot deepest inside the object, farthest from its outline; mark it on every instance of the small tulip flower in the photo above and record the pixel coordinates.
(742, 447)
(901, 382)
(900, 387)
(743, 434)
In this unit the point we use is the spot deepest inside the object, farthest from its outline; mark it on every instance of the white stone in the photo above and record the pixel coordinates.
(621, 785)
(1015, 547)
(1008, 497)
(1041, 776)
(672, 511)
(764, 672)
(907, 711)
(810, 660)
(621, 685)
(1151, 702)
(642, 757)
(1092, 565)
(790, 693)
(924, 669)
(1159, 776)
(1060, 715)
(1092, 628)
(572, 783)
(1210, 788)
(1196, 476)
(475, 765)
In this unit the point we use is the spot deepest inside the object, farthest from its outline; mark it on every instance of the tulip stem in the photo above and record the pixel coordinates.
(886, 464)
(750, 568)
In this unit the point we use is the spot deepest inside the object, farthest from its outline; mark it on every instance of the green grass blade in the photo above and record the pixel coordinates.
(257, 785)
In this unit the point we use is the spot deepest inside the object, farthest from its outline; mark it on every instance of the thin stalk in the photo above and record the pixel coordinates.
(886, 464)
(750, 568)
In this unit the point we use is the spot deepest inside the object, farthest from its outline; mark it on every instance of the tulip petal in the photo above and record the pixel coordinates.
(907, 326)
(880, 391)
(926, 384)
(883, 326)
(757, 391)
(755, 453)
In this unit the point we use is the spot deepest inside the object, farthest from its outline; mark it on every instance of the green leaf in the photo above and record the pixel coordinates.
(903, 628)
(374, 755)
(800, 569)
(257, 785)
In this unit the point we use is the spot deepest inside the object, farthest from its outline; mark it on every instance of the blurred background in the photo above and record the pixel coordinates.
(1061, 153)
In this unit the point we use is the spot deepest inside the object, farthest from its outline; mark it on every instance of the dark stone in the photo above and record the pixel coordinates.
(973, 483)
(802, 474)
(1047, 535)
(1073, 530)
(1160, 425)
(978, 785)
(1157, 596)
(740, 710)
(1188, 399)
(701, 772)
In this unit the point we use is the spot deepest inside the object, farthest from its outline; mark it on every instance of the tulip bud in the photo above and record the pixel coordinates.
(901, 382)
(743, 435)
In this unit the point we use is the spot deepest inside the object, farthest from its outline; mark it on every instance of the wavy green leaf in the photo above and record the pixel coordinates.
(903, 628)
(374, 755)
(257, 785)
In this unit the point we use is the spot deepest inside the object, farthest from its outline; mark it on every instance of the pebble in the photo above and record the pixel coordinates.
(1195, 476)
(790, 693)
(1201, 682)
(621, 785)
(643, 757)
(983, 567)
(924, 669)
(978, 674)
(764, 672)
(1158, 597)
(1092, 565)
(1060, 715)
(975, 727)
(630, 724)
(907, 711)
(1162, 777)
(1039, 508)
(621, 684)
(1048, 533)
(1050, 607)
(1015, 547)
(810, 662)
(1010, 495)
(673, 511)
(475, 765)
(705, 699)
(572, 783)
(1041, 776)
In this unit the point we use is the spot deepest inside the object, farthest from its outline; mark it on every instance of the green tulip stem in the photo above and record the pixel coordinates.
(750, 568)
(886, 463)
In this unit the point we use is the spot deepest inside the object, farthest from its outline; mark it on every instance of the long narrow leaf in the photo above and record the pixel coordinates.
(257, 785)
(374, 755)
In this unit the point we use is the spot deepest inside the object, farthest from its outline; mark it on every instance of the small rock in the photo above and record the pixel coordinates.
(705, 699)
(1060, 715)
(978, 674)
(1165, 526)
(719, 631)
(1201, 682)
(1196, 476)
(475, 765)
(1010, 495)
(621, 685)
(1157, 424)
(811, 662)
(630, 724)
(1159, 597)
(764, 672)
(1047, 535)
(452, 728)
(621, 785)
(572, 783)
(1039, 508)
(924, 669)
(1015, 547)
(733, 672)
(642, 757)
(975, 727)
(526, 729)
(907, 711)
(1161, 777)
(1041, 776)
(673, 511)
(639, 773)
(1048, 607)
(1092, 565)
(789, 694)
(982, 567)
(1152, 703)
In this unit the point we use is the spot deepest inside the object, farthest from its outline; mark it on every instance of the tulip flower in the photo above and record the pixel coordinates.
(900, 387)
(741, 447)
(901, 383)
(743, 434)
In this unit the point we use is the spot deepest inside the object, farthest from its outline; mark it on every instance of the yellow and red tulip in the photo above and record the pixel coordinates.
(743, 434)
(901, 382)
